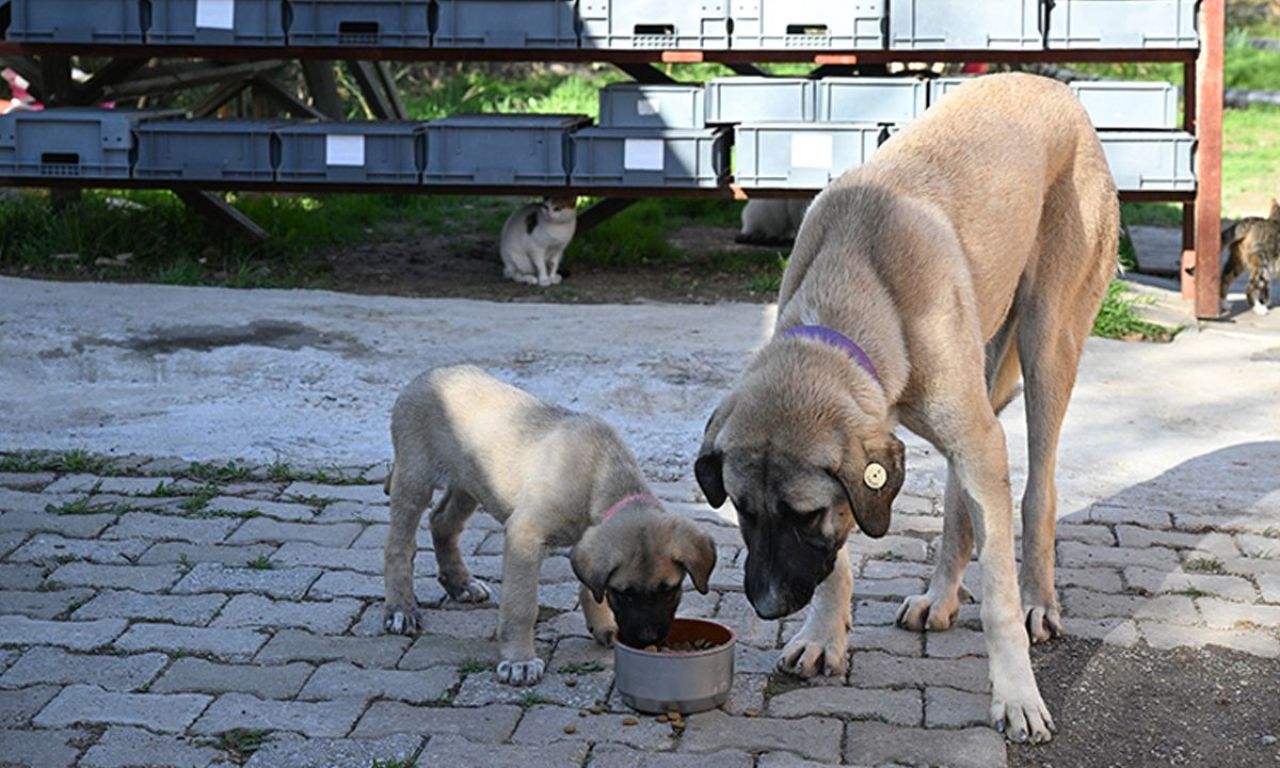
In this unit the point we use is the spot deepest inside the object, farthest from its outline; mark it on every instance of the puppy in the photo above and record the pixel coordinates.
(553, 478)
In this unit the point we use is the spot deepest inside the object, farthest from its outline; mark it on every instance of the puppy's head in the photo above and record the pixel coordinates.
(803, 457)
(637, 561)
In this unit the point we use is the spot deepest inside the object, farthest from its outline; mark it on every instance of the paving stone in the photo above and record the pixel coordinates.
(21, 576)
(1155, 582)
(362, 560)
(273, 509)
(124, 747)
(736, 611)
(450, 750)
(1143, 516)
(886, 569)
(397, 749)
(949, 708)
(1113, 631)
(79, 482)
(1082, 603)
(896, 588)
(326, 719)
(141, 578)
(42, 605)
(1098, 579)
(875, 613)
(442, 651)
(1205, 524)
(375, 537)
(1259, 546)
(1270, 586)
(167, 712)
(326, 618)
(190, 554)
(787, 760)
(817, 738)
(754, 661)
(355, 511)
(369, 494)
(1224, 614)
(229, 644)
(566, 625)
(343, 680)
(76, 635)
(954, 643)
(544, 724)
(902, 707)
(746, 693)
(50, 548)
(1251, 566)
(870, 743)
(265, 529)
(368, 652)
(1076, 555)
(21, 501)
(890, 547)
(281, 681)
(335, 584)
(11, 540)
(265, 490)
(873, 669)
(288, 583)
(109, 672)
(195, 610)
(83, 526)
(618, 756)
(17, 707)
(153, 527)
(466, 623)
(8, 657)
(917, 523)
(1257, 642)
(483, 688)
(489, 725)
(1134, 536)
(26, 481)
(40, 749)
(1089, 534)
(127, 486)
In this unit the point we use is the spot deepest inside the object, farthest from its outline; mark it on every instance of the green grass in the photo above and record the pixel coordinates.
(78, 461)
(1204, 565)
(406, 763)
(1119, 318)
(223, 473)
(470, 666)
(261, 563)
(281, 472)
(85, 506)
(241, 743)
(1250, 160)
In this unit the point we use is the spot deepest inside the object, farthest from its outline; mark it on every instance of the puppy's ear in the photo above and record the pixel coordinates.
(709, 468)
(695, 551)
(593, 562)
(871, 478)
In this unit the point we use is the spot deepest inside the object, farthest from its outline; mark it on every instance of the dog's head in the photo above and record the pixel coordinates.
(803, 457)
(637, 561)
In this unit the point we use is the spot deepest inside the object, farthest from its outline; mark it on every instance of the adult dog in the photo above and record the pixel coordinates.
(553, 478)
(977, 244)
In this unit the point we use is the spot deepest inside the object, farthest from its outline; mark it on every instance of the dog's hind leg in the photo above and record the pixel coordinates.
(447, 521)
(410, 495)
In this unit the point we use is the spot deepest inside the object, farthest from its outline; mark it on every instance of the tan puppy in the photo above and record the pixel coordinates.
(553, 478)
(977, 243)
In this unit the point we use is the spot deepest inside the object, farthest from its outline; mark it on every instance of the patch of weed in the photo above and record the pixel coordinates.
(1118, 318)
(470, 666)
(1204, 565)
(580, 668)
(261, 563)
(241, 743)
(223, 473)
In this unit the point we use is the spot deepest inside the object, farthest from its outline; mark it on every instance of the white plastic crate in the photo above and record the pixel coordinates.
(801, 155)
(871, 99)
(1123, 24)
(505, 24)
(217, 150)
(641, 105)
(662, 24)
(976, 25)
(638, 157)
(216, 22)
(500, 149)
(1159, 161)
(750, 99)
(1132, 105)
(806, 24)
(385, 152)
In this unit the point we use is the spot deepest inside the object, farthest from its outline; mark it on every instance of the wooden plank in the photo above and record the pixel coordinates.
(214, 100)
(205, 76)
(1208, 210)
(392, 89)
(370, 86)
(222, 214)
(323, 87)
(645, 73)
(602, 210)
(111, 73)
(284, 99)
(1186, 279)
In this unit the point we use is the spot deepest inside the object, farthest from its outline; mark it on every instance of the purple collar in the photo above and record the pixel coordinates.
(836, 339)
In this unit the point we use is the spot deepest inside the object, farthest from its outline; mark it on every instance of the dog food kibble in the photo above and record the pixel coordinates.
(570, 683)
(662, 718)
(582, 714)
(651, 649)
(571, 729)
(630, 721)
(701, 644)
(749, 713)
(597, 709)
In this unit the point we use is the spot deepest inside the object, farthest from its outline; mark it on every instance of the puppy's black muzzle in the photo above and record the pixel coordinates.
(643, 618)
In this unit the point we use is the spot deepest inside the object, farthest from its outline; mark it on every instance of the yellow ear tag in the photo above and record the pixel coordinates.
(874, 476)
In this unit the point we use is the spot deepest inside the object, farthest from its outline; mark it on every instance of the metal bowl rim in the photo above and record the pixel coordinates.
(733, 638)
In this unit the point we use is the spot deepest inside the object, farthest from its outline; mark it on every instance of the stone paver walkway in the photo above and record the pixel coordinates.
(156, 612)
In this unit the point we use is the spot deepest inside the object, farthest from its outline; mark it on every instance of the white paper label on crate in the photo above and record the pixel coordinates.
(811, 150)
(642, 154)
(216, 14)
(343, 150)
(646, 107)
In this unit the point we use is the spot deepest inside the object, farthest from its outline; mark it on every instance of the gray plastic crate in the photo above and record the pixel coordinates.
(975, 25)
(216, 22)
(871, 99)
(500, 149)
(638, 105)
(362, 23)
(506, 24)
(73, 143)
(804, 155)
(1123, 24)
(1135, 105)
(75, 21)
(776, 24)
(376, 152)
(1160, 161)
(637, 157)
(663, 24)
(941, 86)
(760, 100)
(218, 150)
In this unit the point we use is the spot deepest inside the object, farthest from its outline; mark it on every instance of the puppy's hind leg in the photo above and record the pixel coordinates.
(447, 521)
(410, 495)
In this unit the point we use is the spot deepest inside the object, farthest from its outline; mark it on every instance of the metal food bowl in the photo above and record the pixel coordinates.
(681, 681)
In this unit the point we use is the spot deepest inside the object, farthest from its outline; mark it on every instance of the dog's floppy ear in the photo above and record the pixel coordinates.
(593, 563)
(871, 479)
(695, 551)
(709, 468)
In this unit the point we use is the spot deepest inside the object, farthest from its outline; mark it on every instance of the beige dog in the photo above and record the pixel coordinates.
(553, 478)
(977, 243)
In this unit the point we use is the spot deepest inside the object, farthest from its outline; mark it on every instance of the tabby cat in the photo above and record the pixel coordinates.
(1254, 245)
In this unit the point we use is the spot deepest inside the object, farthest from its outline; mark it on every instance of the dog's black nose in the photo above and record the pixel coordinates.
(771, 604)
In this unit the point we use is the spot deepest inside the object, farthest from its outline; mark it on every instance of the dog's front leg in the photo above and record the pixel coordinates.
(518, 611)
(822, 644)
(600, 621)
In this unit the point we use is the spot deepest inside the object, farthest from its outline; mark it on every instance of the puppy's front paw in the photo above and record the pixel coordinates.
(813, 653)
(603, 634)
(524, 672)
(402, 621)
(1019, 713)
(468, 591)
(928, 612)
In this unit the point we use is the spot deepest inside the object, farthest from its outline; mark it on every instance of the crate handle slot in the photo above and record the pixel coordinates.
(357, 28)
(808, 29)
(655, 29)
(60, 158)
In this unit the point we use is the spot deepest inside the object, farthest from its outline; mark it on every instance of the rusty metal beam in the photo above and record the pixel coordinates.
(282, 98)
(602, 210)
(323, 87)
(1208, 131)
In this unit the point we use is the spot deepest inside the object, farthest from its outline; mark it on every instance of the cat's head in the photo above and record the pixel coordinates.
(560, 209)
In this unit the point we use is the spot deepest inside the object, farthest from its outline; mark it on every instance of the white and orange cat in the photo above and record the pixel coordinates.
(534, 239)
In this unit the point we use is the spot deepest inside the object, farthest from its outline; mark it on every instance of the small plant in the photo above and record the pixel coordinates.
(85, 506)
(195, 504)
(261, 563)
(184, 563)
(1190, 592)
(531, 699)
(224, 473)
(241, 743)
(470, 666)
(1118, 318)
(64, 559)
(890, 555)
(580, 668)
(20, 462)
(405, 763)
(1204, 565)
(82, 461)
(163, 491)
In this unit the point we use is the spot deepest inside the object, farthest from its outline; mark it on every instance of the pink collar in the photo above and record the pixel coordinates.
(627, 501)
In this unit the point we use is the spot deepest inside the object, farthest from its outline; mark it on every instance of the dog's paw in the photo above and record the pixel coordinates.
(806, 656)
(468, 591)
(1260, 309)
(556, 279)
(926, 612)
(526, 672)
(1043, 622)
(1020, 714)
(603, 634)
(402, 621)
